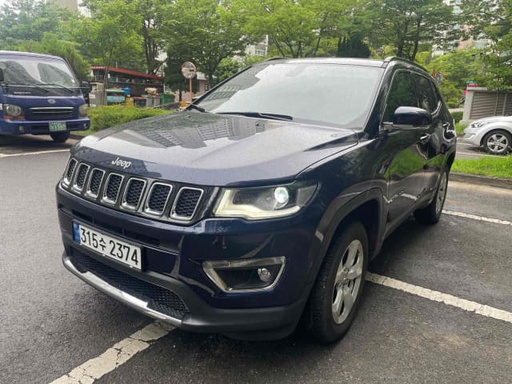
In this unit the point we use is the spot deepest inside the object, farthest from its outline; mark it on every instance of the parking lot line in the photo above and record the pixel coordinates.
(115, 356)
(440, 297)
(33, 153)
(475, 217)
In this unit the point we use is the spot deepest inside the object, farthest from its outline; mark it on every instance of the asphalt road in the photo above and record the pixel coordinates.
(52, 323)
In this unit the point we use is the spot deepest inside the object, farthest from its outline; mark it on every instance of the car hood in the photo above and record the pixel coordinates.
(210, 149)
(492, 119)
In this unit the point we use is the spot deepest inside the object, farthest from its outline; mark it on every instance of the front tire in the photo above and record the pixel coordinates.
(432, 212)
(60, 137)
(337, 292)
(497, 142)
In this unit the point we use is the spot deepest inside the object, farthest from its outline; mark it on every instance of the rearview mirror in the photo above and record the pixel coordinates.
(85, 87)
(411, 116)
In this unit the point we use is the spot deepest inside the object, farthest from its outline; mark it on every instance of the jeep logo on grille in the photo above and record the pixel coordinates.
(122, 163)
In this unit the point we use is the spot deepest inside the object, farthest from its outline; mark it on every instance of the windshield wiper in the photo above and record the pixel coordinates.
(21, 85)
(273, 116)
(196, 107)
(59, 86)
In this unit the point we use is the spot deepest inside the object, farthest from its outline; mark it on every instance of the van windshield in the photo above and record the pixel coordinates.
(37, 75)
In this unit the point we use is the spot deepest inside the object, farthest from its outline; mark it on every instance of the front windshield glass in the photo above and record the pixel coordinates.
(37, 75)
(334, 94)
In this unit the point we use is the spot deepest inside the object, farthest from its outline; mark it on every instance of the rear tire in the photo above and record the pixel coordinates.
(432, 212)
(336, 295)
(497, 142)
(60, 137)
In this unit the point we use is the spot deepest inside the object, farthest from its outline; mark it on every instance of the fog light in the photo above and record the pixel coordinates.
(264, 274)
(235, 276)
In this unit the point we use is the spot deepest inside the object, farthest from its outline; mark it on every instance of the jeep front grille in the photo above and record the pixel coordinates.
(141, 196)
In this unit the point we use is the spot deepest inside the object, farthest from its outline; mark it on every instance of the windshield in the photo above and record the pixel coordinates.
(332, 94)
(37, 75)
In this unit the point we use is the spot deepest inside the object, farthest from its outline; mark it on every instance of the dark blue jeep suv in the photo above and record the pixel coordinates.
(261, 204)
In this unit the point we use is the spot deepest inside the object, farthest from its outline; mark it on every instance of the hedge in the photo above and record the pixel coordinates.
(109, 116)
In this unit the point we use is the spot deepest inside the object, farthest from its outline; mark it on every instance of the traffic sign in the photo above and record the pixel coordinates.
(188, 70)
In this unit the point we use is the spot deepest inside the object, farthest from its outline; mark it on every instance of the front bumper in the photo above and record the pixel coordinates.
(173, 286)
(473, 136)
(21, 127)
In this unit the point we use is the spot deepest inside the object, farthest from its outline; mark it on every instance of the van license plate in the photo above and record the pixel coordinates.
(108, 246)
(56, 126)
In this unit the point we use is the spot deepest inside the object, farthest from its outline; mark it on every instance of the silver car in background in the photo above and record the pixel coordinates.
(494, 134)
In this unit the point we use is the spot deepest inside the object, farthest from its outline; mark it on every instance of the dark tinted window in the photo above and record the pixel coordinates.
(426, 93)
(401, 94)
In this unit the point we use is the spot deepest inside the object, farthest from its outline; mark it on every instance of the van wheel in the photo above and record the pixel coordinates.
(60, 137)
(337, 292)
(432, 212)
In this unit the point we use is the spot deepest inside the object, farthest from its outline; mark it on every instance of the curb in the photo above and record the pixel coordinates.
(454, 176)
(481, 180)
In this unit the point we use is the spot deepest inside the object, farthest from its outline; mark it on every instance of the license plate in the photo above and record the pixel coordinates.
(56, 126)
(108, 246)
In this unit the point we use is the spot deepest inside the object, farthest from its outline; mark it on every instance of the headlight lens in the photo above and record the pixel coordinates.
(265, 202)
(82, 110)
(479, 124)
(11, 110)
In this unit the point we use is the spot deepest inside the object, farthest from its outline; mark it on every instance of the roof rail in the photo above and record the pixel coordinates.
(276, 58)
(389, 59)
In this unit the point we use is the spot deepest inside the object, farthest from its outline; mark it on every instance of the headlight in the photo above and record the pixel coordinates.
(479, 124)
(82, 110)
(265, 202)
(11, 110)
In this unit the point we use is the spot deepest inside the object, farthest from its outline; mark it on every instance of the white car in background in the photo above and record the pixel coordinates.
(494, 134)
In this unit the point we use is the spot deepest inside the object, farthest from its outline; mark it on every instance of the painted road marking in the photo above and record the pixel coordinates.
(124, 350)
(440, 297)
(33, 153)
(475, 217)
(116, 356)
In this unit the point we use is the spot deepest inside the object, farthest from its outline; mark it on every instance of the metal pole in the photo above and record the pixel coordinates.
(190, 86)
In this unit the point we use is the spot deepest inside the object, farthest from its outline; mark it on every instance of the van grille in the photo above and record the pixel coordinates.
(45, 113)
(141, 196)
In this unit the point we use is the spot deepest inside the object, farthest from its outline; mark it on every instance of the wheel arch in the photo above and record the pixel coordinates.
(367, 208)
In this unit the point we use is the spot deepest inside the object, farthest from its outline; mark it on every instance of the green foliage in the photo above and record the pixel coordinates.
(487, 166)
(28, 20)
(459, 128)
(111, 36)
(457, 116)
(404, 24)
(205, 32)
(112, 115)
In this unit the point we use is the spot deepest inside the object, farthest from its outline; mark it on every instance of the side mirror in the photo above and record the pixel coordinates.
(411, 116)
(1, 75)
(85, 86)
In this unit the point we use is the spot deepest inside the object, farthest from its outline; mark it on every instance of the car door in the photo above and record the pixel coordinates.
(405, 172)
(432, 142)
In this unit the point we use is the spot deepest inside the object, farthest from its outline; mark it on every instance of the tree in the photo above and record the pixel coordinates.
(111, 36)
(408, 23)
(205, 32)
(28, 20)
(152, 14)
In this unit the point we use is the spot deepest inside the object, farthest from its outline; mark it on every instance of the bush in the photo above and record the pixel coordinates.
(457, 116)
(109, 116)
(459, 128)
